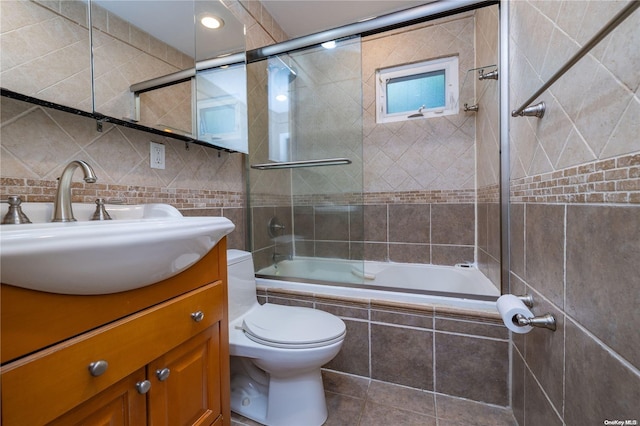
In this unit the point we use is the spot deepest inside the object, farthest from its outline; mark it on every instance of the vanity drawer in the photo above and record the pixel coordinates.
(38, 388)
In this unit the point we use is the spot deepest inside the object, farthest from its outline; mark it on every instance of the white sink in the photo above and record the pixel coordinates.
(142, 245)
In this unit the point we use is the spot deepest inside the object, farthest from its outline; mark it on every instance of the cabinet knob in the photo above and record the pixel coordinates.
(143, 386)
(197, 316)
(98, 368)
(163, 374)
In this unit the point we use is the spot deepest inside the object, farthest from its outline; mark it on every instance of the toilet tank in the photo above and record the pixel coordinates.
(242, 283)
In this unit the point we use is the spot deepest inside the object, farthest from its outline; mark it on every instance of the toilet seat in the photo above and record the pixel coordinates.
(292, 327)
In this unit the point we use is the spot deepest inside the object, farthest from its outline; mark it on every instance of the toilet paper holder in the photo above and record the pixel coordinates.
(545, 321)
(527, 299)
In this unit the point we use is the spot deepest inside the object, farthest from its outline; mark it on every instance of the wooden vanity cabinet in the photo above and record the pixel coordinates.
(188, 396)
(166, 364)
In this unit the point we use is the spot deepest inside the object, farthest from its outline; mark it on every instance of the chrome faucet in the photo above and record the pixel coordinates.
(277, 258)
(62, 211)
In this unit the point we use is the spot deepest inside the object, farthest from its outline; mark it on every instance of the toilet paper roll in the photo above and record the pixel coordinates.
(509, 306)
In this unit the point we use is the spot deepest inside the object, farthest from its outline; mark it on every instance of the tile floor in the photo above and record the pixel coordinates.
(358, 401)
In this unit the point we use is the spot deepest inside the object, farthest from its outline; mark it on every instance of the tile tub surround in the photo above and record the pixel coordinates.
(412, 170)
(358, 401)
(433, 233)
(447, 350)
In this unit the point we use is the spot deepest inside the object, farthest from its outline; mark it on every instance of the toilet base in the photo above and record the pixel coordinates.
(290, 401)
(249, 398)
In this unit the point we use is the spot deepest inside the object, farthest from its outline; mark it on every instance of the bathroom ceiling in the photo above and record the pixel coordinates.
(167, 19)
(302, 17)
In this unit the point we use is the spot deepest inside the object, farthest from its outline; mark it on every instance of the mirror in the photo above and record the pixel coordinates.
(46, 51)
(161, 47)
(135, 41)
(46, 56)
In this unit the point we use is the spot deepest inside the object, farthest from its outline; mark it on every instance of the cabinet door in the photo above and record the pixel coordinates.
(119, 404)
(186, 383)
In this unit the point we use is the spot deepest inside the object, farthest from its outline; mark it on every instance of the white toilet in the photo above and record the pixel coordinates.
(276, 353)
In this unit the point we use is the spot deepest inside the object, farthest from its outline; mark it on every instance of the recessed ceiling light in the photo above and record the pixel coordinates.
(212, 22)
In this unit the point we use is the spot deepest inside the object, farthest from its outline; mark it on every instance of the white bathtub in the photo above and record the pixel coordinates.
(464, 287)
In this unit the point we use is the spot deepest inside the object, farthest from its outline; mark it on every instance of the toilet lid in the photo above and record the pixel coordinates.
(292, 326)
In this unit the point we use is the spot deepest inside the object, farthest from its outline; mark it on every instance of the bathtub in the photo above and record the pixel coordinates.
(461, 286)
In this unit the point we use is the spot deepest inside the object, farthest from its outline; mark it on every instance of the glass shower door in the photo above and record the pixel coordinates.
(305, 152)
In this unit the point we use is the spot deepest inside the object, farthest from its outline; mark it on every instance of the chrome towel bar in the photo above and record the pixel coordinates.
(610, 26)
(302, 163)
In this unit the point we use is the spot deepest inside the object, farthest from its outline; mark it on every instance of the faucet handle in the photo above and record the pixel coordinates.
(100, 213)
(15, 215)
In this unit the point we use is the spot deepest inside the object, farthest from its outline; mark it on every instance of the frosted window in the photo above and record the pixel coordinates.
(421, 90)
(409, 93)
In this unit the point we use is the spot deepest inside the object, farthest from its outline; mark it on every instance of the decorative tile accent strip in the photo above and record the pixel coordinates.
(615, 180)
(489, 194)
(34, 190)
(270, 200)
(421, 197)
(373, 198)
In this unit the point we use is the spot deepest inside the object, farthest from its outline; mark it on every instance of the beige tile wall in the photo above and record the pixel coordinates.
(45, 51)
(592, 110)
(424, 154)
(38, 142)
(575, 214)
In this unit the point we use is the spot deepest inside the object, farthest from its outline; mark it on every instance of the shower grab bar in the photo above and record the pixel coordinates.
(302, 163)
(610, 26)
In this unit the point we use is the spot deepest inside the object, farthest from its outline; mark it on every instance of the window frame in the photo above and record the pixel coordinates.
(450, 66)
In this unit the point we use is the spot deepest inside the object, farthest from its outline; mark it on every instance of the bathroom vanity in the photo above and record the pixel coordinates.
(154, 355)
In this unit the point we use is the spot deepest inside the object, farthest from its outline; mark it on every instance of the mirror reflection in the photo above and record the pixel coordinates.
(222, 107)
(127, 49)
(159, 47)
(47, 50)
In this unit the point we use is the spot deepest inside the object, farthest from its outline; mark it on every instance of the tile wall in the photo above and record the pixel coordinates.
(425, 154)
(575, 214)
(38, 142)
(447, 350)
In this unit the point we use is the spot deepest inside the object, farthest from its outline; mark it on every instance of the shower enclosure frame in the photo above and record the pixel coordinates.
(411, 16)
